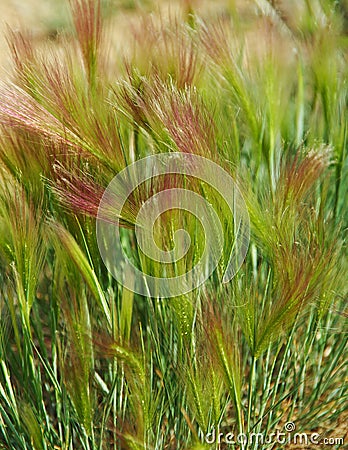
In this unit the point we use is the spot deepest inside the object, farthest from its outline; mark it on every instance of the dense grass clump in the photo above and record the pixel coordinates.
(261, 90)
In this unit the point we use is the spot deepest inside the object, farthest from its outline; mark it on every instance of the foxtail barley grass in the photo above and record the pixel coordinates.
(86, 363)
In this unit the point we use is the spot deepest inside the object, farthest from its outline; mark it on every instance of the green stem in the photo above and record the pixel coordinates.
(251, 389)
